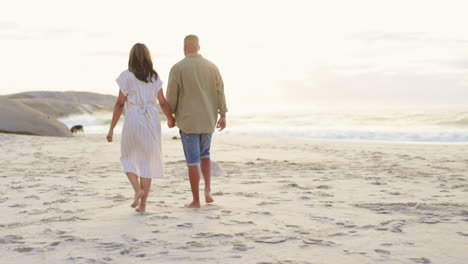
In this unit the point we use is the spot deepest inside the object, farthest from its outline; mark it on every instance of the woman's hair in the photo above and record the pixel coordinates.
(140, 63)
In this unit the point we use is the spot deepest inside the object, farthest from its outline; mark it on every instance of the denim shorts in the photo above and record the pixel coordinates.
(196, 147)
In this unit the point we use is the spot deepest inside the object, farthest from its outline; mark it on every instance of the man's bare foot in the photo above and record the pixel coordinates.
(208, 198)
(137, 198)
(193, 205)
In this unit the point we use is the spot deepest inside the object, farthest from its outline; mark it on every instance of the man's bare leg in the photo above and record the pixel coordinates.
(194, 177)
(136, 186)
(206, 170)
(145, 184)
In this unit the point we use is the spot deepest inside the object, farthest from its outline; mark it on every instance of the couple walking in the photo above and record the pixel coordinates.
(195, 98)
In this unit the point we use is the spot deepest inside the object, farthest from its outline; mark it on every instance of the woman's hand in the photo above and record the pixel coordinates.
(171, 122)
(118, 109)
(109, 135)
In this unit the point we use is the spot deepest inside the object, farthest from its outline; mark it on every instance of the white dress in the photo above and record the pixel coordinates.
(141, 133)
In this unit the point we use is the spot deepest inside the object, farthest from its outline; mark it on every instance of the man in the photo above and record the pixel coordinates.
(195, 92)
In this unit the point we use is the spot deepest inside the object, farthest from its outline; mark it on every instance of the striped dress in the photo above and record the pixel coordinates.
(141, 133)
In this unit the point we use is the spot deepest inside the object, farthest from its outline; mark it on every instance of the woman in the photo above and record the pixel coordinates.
(141, 157)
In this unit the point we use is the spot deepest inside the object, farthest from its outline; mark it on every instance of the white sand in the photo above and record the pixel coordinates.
(65, 200)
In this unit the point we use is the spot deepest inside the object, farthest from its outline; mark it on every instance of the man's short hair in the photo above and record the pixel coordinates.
(191, 41)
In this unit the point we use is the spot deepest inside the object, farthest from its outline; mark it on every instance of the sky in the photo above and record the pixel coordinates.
(272, 54)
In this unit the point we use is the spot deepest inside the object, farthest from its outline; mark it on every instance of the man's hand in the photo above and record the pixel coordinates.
(171, 122)
(221, 123)
(109, 135)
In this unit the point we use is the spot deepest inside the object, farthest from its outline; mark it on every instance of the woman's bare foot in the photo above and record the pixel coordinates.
(137, 198)
(141, 209)
(193, 205)
(208, 198)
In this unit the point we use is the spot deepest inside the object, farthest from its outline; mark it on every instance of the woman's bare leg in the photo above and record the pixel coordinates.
(136, 186)
(145, 184)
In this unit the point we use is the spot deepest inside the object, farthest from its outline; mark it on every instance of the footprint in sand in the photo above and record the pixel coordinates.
(56, 201)
(266, 203)
(109, 246)
(125, 251)
(11, 239)
(248, 195)
(295, 185)
(185, 225)
(63, 219)
(421, 260)
(129, 238)
(81, 260)
(381, 229)
(323, 194)
(73, 239)
(338, 234)
(382, 251)
(197, 244)
(119, 198)
(318, 242)
(163, 217)
(251, 182)
(240, 247)
(270, 240)
(302, 232)
(350, 226)
(32, 197)
(24, 249)
(50, 231)
(430, 221)
(259, 213)
(242, 222)
(326, 203)
(211, 235)
(18, 205)
(354, 252)
(322, 219)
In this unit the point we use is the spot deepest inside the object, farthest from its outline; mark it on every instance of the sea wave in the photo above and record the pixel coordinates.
(458, 122)
(356, 133)
(418, 125)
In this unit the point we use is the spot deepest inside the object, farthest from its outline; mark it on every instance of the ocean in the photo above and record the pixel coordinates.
(402, 123)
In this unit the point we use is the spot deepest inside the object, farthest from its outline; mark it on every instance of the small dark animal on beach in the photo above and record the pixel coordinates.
(77, 129)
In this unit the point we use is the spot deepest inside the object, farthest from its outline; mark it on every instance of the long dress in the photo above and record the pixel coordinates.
(141, 133)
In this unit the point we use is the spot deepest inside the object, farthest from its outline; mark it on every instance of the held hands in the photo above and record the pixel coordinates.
(221, 123)
(109, 135)
(171, 122)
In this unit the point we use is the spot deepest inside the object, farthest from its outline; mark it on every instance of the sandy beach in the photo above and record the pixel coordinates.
(66, 200)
